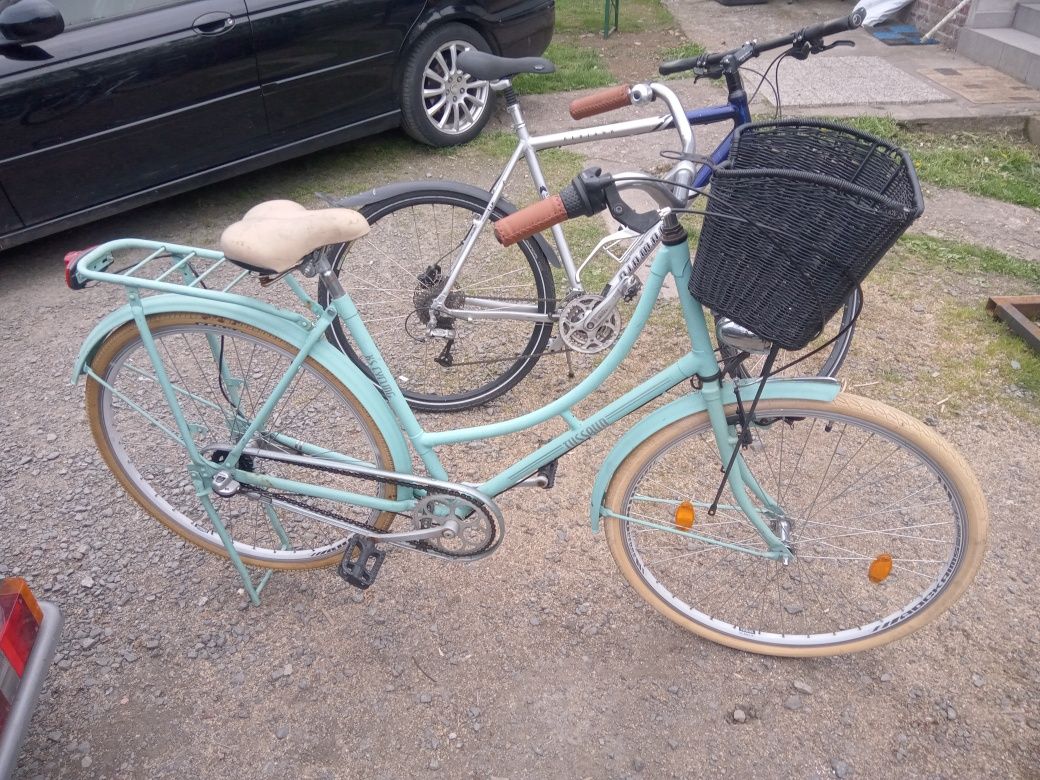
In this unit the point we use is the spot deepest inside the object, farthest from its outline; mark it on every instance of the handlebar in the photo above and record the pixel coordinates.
(810, 36)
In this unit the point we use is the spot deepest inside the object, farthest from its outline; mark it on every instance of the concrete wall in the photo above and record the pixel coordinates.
(925, 14)
(992, 13)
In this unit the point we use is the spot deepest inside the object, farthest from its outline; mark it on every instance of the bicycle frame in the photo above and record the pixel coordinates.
(700, 361)
(528, 146)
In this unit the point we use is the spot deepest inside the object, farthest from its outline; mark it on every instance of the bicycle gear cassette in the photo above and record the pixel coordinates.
(584, 336)
(476, 533)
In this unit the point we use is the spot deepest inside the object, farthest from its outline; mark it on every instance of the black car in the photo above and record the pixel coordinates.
(109, 104)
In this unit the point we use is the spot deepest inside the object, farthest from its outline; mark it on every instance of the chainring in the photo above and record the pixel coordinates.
(477, 529)
(582, 338)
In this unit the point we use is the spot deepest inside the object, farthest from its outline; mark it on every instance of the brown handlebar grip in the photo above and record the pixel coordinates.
(530, 220)
(601, 102)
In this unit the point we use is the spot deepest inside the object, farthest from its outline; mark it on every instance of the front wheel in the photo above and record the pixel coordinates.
(886, 522)
(394, 274)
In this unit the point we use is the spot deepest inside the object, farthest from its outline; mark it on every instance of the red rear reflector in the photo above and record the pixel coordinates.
(71, 281)
(20, 618)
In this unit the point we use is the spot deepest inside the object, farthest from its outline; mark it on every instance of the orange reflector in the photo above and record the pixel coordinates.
(16, 586)
(684, 515)
(880, 568)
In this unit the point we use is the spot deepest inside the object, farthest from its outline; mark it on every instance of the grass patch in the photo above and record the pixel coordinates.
(967, 258)
(577, 67)
(584, 16)
(1001, 366)
(681, 52)
(995, 165)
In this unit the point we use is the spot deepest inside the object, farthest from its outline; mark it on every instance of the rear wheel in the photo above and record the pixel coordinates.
(395, 272)
(222, 371)
(886, 522)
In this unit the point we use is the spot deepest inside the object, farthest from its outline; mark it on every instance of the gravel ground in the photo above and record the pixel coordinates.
(538, 662)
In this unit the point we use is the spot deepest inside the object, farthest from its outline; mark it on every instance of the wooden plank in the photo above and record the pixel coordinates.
(1016, 312)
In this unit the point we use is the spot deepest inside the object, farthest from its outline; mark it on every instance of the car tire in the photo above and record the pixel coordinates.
(441, 105)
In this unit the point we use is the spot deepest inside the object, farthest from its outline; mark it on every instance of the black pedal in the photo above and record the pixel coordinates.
(361, 562)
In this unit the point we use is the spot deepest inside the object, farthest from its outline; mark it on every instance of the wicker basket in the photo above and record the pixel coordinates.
(798, 215)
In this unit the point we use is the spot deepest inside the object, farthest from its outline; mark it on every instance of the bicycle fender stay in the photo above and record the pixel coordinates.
(324, 353)
(808, 389)
(396, 190)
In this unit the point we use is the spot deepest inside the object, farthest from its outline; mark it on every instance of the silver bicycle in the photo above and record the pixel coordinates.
(460, 319)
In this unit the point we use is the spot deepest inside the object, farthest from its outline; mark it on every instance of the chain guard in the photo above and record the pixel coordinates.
(477, 538)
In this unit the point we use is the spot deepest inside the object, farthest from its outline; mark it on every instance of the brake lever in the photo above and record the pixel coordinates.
(818, 46)
(627, 216)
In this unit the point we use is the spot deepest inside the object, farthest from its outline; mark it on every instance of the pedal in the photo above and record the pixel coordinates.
(361, 562)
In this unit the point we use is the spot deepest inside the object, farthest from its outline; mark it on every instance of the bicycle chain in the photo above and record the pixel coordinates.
(420, 545)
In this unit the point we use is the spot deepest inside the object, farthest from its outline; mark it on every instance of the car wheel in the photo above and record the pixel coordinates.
(442, 105)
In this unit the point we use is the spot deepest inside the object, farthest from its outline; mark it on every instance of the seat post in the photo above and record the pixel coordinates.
(324, 270)
(505, 86)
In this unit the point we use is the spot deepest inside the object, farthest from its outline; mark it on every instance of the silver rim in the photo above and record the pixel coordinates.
(453, 100)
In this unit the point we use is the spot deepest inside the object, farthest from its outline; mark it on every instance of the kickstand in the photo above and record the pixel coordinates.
(570, 365)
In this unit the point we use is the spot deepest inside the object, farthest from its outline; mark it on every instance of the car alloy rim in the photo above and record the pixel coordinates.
(453, 100)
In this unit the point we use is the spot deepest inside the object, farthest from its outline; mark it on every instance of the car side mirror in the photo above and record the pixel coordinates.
(29, 21)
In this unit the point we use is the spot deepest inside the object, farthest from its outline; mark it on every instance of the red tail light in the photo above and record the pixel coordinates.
(71, 281)
(20, 619)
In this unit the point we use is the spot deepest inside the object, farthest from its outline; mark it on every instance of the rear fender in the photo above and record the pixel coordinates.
(288, 331)
(820, 389)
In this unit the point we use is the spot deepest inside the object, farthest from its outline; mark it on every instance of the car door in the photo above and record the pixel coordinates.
(134, 94)
(325, 64)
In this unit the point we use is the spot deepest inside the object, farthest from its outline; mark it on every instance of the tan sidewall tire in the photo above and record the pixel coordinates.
(124, 335)
(941, 452)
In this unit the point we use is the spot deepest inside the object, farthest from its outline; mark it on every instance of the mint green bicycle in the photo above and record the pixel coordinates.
(775, 516)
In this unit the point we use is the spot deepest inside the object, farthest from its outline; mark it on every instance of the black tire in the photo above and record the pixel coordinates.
(826, 363)
(428, 225)
(464, 104)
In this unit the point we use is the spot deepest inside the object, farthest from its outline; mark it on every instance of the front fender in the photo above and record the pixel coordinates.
(288, 331)
(820, 389)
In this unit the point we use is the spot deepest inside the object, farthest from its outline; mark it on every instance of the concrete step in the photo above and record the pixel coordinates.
(1012, 51)
(1027, 18)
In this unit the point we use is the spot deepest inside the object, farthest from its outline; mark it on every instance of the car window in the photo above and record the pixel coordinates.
(77, 13)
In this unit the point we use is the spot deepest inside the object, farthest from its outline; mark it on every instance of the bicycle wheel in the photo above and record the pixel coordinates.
(886, 522)
(393, 274)
(826, 362)
(210, 361)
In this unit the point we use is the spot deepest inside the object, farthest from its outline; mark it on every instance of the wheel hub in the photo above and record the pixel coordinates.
(430, 284)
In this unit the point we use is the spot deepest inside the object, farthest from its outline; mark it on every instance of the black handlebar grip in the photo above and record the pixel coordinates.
(843, 24)
(677, 66)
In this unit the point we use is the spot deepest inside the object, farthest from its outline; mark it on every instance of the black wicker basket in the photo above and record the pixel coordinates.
(797, 216)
